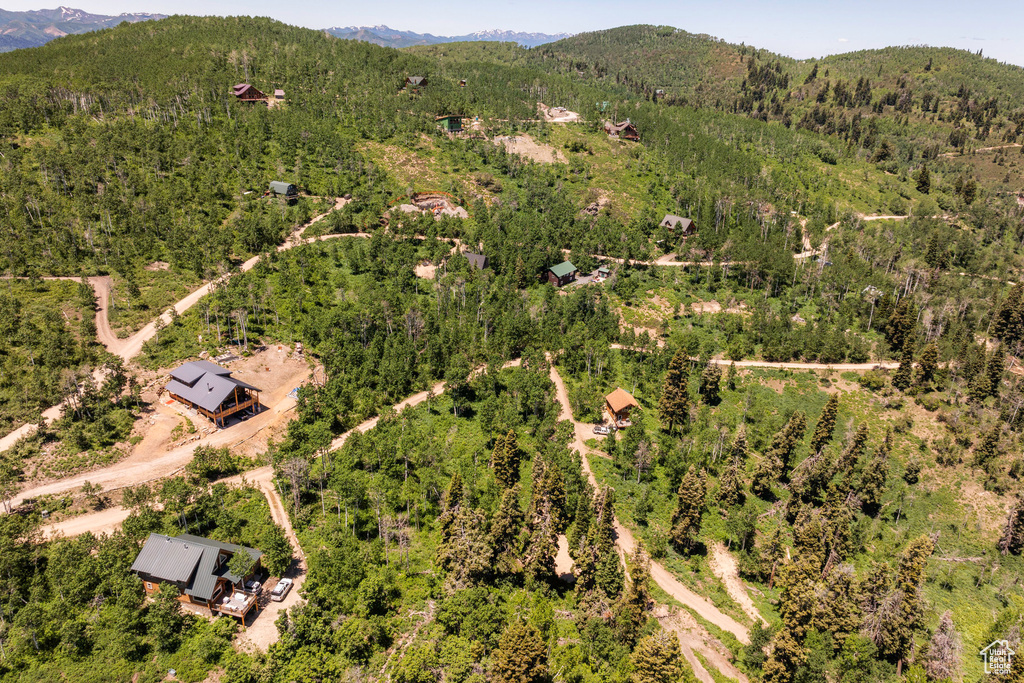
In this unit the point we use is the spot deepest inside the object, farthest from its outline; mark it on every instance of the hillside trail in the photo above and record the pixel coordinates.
(783, 365)
(624, 537)
(409, 402)
(1013, 145)
(725, 567)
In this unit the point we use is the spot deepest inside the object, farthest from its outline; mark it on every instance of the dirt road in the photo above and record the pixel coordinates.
(409, 402)
(725, 567)
(627, 544)
(143, 465)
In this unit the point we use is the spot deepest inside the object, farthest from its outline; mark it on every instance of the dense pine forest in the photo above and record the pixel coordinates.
(820, 479)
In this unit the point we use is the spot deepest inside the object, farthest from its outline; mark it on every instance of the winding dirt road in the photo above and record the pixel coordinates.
(624, 537)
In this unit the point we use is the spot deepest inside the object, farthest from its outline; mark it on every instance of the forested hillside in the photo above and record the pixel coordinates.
(820, 479)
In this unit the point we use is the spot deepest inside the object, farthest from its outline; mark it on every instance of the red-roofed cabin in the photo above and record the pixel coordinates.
(619, 403)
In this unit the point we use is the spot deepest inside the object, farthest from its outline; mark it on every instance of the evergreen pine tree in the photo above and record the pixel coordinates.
(686, 519)
(521, 657)
(872, 481)
(994, 370)
(904, 376)
(924, 180)
(674, 405)
(604, 519)
(786, 657)
(786, 441)
(900, 324)
(851, 456)
(609, 576)
(631, 609)
(710, 381)
(929, 363)
(766, 473)
(839, 611)
(658, 659)
(826, 424)
(1001, 324)
(464, 552)
(730, 489)
(506, 458)
(987, 447)
(506, 528)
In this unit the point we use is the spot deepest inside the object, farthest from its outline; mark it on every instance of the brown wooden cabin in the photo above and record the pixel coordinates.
(624, 131)
(415, 82)
(210, 390)
(562, 274)
(683, 226)
(477, 261)
(246, 93)
(198, 567)
(618, 404)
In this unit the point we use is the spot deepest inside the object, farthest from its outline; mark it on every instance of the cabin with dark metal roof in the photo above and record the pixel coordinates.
(210, 390)
(684, 226)
(246, 93)
(478, 261)
(198, 568)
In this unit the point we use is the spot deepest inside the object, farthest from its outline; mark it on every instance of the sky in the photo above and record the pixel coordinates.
(801, 29)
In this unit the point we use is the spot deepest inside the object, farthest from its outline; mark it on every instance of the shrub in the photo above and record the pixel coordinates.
(872, 380)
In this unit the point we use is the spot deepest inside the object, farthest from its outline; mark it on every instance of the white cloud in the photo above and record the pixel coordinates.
(844, 40)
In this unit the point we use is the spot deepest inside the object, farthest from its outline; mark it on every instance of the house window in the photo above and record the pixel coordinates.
(149, 586)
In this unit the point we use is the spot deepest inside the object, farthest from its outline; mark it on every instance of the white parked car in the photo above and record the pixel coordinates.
(253, 587)
(281, 590)
(602, 429)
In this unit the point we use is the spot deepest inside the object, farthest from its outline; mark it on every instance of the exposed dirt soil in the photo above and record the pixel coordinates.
(557, 114)
(723, 564)
(526, 146)
(563, 561)
(150, 460)
(425, 270)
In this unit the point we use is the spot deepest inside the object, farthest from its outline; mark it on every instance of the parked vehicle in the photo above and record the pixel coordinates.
(602, 429)
(281, 590)
(253, 587)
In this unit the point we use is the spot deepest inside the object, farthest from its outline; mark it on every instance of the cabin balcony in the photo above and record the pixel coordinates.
(236, 604)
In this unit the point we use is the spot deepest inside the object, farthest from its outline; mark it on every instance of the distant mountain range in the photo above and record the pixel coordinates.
(389, 37)
(38, 27)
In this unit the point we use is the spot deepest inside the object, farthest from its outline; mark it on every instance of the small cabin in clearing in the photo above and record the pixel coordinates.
(618, 404)
(603, 273)
(281, 187)
(450, 123)
(684, 226)
(198, 568)
(562, 274)
(210, 390)
(279, 95)
(415, 82)
(246, 93)
(624, 131)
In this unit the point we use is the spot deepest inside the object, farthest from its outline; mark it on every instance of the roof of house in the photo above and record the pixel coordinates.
(243, 88)
(620, 399)
(478, 261)
(204, 383)
(415, 80)
(604, 269)
(671, 221)
(188, 559)
(278, 92)
(448, 116)
(281, 187)
(562, 269)
(619, 127)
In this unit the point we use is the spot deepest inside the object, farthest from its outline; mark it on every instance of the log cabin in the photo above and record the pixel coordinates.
(685, 226)
(210, 390)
